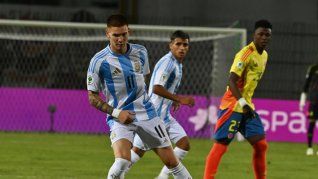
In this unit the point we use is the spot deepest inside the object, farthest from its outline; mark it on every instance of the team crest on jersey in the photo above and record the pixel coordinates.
(89, 79)
(255, 64)
(239, 65)
(230, 135)
(137, 66)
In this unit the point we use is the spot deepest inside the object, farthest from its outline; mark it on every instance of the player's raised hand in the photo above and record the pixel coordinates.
(248, 112)
(187, 101)
(126, 117)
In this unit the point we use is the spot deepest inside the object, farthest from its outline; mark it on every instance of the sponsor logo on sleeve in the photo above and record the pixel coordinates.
(89, 79)
(163, 78)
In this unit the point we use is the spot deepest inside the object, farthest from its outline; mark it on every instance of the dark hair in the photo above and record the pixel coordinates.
(116, 20)
(263, 23)
(179, 34)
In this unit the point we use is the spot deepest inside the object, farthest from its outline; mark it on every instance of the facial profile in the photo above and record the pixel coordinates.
(179, 48)
(179, 44)
(262, 34)
(118, 38)
(262, 37)
(117, 32)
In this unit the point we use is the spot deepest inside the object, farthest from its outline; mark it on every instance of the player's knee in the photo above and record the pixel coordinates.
(260, 146)
(171, 162)
(139, 151)
(187, 147)
(184, 144)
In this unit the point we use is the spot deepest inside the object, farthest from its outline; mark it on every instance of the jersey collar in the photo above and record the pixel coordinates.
(116, 54)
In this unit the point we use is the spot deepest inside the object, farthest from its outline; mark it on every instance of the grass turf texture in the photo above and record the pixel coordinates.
(43, 155)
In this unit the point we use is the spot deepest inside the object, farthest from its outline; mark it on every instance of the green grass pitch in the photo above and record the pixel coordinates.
(72, 156)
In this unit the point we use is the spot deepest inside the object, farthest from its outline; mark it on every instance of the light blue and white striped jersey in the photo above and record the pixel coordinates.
(121, 80)
(167, 73)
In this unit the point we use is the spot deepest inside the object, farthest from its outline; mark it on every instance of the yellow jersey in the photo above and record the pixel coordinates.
(249, 65)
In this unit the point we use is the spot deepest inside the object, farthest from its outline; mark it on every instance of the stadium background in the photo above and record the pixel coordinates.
(44, 70)
(292, 49)
(35, 65)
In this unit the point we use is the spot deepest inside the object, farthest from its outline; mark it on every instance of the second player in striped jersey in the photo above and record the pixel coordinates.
(163, 88)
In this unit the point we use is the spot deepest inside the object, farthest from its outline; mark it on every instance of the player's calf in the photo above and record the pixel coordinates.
(180, 154)
(259, 159)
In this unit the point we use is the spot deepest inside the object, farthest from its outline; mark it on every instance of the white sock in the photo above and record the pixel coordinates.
(118, 169)
(180, 172)
(134, 158)
(180, 154)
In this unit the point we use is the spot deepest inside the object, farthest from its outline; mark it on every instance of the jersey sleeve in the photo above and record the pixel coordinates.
(163, 72)
(93, 80)
(240, 62)
(145, 61)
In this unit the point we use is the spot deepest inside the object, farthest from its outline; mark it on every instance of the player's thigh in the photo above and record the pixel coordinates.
(253, 129)
(153, 133)
(177, 134)
(175, 131)
(226, 132)
(122, 148)
(121, 137)
(138, 143)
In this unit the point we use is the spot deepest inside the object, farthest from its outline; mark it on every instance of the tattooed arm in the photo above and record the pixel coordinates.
(96, 101)
(122, 116)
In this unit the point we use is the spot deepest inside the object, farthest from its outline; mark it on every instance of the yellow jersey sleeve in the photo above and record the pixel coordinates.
(241, 61)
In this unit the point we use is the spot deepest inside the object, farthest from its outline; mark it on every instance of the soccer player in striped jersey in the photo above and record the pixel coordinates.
(236, 113)
(310, 88)
(118, 72)
(164, 84)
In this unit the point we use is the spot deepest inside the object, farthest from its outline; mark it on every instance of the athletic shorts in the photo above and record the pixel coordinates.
(230, 122)
(313, 111)
(152, 132)
(175, 133)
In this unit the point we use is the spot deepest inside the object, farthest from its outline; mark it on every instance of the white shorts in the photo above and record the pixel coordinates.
(175, 133)
(152, 132)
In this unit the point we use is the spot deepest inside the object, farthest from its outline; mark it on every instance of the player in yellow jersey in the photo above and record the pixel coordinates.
(237, 112)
